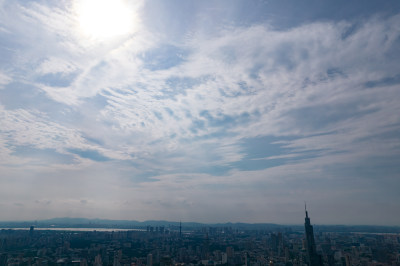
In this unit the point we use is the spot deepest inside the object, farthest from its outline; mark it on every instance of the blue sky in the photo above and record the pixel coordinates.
(208, 111)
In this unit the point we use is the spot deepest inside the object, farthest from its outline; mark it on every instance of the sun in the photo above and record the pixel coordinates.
(102, 19)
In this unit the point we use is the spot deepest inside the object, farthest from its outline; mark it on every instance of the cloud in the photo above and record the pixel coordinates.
(198, 121)
(42, 156)
(90, 154)
(43, 202)
(4, 79)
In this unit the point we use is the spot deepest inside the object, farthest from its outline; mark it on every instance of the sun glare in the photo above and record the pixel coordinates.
(105, 18)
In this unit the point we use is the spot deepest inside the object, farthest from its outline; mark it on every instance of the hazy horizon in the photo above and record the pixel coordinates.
(201, 110)
(176, 222)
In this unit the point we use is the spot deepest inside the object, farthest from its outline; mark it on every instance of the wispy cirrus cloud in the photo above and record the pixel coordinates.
(4, 79)
(257, 112)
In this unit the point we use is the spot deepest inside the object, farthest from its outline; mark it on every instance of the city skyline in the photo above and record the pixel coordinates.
(201, 246)
(204, 111)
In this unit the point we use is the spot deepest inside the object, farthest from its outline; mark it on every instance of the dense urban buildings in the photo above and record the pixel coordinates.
(161, 246)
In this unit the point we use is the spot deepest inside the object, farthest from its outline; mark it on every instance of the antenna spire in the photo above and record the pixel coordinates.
(305, 208)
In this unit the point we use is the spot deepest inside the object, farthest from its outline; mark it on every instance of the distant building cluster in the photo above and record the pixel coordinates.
(160, 246)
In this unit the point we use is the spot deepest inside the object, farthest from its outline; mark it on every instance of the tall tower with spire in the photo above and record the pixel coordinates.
(313, 258)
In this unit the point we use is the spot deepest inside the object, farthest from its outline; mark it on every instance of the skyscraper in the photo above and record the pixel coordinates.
(31, 229)
(149, 260)
(313, 258)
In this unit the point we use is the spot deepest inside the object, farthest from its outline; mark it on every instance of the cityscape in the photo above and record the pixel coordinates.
(201, 245)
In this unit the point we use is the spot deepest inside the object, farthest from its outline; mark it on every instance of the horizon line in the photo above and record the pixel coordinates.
(201, 223)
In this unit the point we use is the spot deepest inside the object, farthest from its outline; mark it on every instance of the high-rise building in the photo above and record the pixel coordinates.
(149, 260)
(97, 260)
(313, 258)
(31, 230)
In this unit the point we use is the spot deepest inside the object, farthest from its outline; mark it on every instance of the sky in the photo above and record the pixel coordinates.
(206, 111)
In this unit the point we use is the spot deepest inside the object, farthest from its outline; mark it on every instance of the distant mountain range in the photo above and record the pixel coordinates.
(67, 222)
